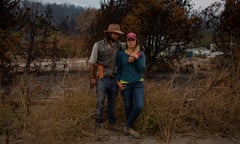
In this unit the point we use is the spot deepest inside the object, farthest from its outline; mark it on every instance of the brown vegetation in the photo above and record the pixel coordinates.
(72, 47)
(201, 106)
(60, 108)
(161, 26)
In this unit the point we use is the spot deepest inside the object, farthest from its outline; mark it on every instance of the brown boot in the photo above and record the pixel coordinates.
(132, 132)
(115, 128)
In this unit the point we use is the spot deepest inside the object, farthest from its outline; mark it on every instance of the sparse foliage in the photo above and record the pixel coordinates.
(10, 16)
(229, 29)
(84, 23)
(165, 28)
(84, 19)
(227, 26)
(38, 29)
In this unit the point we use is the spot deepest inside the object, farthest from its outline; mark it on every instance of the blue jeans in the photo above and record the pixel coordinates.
(106, 88)
(133, 96)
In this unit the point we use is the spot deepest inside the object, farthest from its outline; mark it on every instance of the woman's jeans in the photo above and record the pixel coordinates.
(106, 88)
(133, 96)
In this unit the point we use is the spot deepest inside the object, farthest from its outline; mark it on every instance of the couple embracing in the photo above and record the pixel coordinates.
(119, 66)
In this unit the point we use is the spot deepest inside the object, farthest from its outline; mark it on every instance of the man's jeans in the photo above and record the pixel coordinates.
(133, 96)
(106, 88)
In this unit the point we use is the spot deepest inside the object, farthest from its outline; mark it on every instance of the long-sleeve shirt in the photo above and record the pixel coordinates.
(130, 72)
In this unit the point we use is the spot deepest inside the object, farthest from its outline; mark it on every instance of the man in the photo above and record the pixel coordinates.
(103, 71)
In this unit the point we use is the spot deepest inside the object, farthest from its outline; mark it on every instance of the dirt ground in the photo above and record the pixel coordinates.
(110, 137)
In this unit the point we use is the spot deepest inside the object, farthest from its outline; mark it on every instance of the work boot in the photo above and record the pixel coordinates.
(131, 132)
(100, 129)
(99, 126)
(115, 128)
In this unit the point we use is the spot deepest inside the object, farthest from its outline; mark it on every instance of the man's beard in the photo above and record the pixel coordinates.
(112, 39)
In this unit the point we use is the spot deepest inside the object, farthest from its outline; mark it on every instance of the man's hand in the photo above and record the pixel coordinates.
(92, 82)
(92, 76)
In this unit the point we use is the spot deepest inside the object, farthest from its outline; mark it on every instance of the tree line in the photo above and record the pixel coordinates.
(31, 31)
(166, 28)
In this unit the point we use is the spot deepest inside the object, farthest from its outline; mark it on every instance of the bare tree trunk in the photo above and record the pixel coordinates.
(30, 52)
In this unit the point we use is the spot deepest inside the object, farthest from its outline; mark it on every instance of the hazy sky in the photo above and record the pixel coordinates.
(96, 3)
(203, 3)
(84, 3)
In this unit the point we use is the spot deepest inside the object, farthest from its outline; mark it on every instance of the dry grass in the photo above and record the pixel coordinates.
(172, 107)
(205, 106)
(73, 46)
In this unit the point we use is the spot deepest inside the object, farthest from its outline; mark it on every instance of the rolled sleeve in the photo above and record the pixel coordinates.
(94, 54)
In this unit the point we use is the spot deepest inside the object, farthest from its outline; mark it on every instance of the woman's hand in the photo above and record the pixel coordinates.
(130, 59)
(134, 56)
(121, 85)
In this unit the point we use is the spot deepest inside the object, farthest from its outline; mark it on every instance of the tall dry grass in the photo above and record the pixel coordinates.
(48, 110)
(176, 106)
(204, 106)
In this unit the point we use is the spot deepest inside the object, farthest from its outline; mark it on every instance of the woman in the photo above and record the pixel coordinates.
(131, 64)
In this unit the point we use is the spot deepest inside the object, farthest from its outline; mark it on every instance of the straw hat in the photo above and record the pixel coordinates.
(115, 28)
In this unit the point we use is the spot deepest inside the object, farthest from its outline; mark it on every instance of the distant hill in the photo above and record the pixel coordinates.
(61, 11)
(64, 15)
(71, 12)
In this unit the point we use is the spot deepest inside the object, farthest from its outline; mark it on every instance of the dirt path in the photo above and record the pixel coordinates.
(109, 137)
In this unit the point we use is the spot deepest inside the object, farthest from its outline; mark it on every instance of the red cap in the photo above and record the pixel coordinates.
(131, 35)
